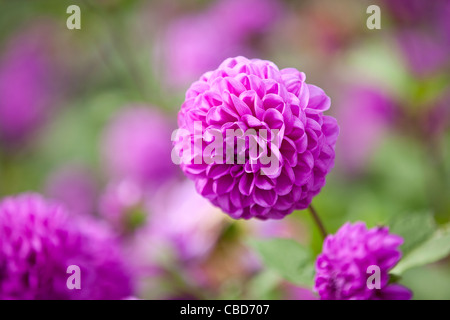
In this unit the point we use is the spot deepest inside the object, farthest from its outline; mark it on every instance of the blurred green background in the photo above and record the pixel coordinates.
(389, 91)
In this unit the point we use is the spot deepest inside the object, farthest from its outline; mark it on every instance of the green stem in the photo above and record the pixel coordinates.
(318, 221)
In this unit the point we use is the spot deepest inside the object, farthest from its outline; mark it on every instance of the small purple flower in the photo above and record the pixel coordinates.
(249, 97)
(136, 146)
(38, 242)
(342, 267)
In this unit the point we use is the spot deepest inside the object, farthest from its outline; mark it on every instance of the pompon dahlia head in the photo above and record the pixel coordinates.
(254, 138)
(348, 260)
(39, 241)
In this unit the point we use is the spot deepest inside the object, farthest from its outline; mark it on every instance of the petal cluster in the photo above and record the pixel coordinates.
(245, 95)
(38, 242)
(342, 269)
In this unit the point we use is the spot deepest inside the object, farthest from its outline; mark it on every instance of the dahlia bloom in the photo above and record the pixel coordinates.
(342, 267)
(38, 242)
(274, 109)
(136, 146)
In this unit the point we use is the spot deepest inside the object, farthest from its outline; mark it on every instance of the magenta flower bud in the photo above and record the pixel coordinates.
(38, 244)
(351, 256)
(277, 148)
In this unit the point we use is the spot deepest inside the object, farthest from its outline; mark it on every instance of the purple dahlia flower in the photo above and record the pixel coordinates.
(342, 269)
(38, 242)
(278, 144)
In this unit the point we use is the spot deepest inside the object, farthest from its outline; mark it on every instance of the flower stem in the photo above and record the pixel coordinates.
(318, 221)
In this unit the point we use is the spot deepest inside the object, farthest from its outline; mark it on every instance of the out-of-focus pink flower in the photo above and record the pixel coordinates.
(425, 53)
(25, 88)
(181, 230)
(193, 44)
(443, 22)
(75, 187)
(233, 17)
(186, 222)
(409, 11)
(423, 33)
(137, 147)
(124, 205)
(363, 114)
(196, 43)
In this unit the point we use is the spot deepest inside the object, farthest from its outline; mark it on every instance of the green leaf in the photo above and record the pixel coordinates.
(263, 286)
(415, 228)
(287, 257)
(432, 250)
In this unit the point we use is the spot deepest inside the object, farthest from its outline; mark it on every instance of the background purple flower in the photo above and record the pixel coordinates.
(422, 34)
(425, 52)
(254, 94)
(136, 146)
(185, 221)
(38, 241)
(124, 205)
(364, 114)
(198, 42)
(341, 268)
(75, 187)
(25, 88)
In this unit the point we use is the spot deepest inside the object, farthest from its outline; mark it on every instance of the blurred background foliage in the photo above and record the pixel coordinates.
(389, 90)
